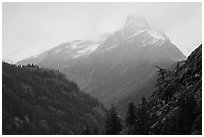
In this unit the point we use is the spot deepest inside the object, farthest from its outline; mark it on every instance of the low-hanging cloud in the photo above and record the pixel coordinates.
(40, 26)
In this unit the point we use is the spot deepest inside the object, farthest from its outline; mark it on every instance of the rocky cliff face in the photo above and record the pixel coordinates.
(177, 107)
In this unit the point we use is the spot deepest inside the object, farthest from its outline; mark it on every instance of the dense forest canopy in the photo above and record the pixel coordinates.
(43, 101)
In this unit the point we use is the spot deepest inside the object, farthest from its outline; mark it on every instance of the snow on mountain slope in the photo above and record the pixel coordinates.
(86, 51)
(134, 27)
(111, 66)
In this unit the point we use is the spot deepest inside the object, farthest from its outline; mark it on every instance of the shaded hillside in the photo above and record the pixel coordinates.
(176, 107)
(144, 90)
(42, 101)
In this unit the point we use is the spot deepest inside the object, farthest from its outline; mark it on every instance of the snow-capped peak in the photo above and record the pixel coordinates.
(135, 26)
(84, 47)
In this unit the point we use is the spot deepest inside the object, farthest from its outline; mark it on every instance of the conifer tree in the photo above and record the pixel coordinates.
(186, 114)
(131, 125)
(177, 66)
(96, 131)
(113, 122)
(87, 131)
(131, 114)
(142, 118)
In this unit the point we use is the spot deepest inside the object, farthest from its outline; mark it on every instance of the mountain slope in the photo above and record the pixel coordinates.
(175, 108)
(114, 65)
(180, 110)
(42, 101)
(144, 90)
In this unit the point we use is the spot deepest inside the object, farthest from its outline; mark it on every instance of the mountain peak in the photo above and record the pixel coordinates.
(137, 21)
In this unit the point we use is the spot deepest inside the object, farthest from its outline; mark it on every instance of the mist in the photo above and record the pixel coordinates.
(31, 28)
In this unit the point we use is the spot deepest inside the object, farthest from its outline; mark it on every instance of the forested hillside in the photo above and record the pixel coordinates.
(174, 108)
(43, 101)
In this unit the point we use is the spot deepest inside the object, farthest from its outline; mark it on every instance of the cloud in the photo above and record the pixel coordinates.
(39, 26)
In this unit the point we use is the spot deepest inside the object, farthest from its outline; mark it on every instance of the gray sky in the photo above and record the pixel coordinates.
(31, 28)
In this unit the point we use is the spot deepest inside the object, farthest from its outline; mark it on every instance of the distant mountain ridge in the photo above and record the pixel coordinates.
(115, 65)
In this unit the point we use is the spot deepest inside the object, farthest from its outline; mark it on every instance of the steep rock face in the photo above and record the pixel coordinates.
(114, 65)
(42, 101)
(177, 107)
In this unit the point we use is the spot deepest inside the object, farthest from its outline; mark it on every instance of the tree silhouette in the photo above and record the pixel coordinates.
(113, 122)
(87, 131)
(131, 114)
(142, 118)
(186, 117)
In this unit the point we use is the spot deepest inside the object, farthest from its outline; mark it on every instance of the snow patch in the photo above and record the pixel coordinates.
(73, 46)
(137, 33)
(110, 48)
(156, 35)
(86, 51)
(56, 51)
(157, 38)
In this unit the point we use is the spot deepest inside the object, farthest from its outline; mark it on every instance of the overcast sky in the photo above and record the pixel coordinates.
(31, 28)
